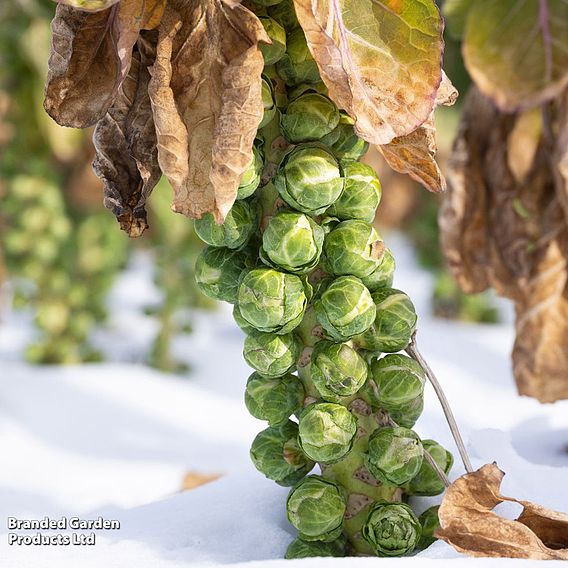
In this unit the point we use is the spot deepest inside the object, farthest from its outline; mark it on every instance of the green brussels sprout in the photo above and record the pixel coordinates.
(299, 548)
(396, 384)
(239, 226)
(361, 194)
(394, 323)
(394, 455)
(316, 507)
(297, 65)
(353, 247)
(272, 52)
(309, 117)
(252, 176)
(240, 321)
(267, 102)
(292, 241)
(391, 529)
(326, 431)
(272, 301)
(217, 272)
(430, 523)
(276, 454)
(345, 308)
(383, 275)
(272, 355)
(285, 14)
(337, 370)
(346, 145)
(309, 179)
(426, 482)
(274, 400)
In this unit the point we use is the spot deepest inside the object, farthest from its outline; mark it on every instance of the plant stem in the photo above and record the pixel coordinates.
(413, 351)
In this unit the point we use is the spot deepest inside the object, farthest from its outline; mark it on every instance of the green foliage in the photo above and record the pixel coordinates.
(426, 481)
(271, 355)
(309, 549)
(429, 522)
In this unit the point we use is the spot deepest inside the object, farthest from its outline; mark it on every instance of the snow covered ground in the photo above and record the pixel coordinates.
(116, 439)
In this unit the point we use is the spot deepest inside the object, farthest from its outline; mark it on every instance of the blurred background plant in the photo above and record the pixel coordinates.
(61, 249)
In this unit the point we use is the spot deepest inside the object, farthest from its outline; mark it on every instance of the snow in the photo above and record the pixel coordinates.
(116, 439)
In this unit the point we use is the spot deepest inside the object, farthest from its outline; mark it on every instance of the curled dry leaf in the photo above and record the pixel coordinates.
(388, 87)
(509, 231)
(414, 154)
(523, 143)
(517, 51)
(125, 142)
(206, 98)
(468, 523)
(90, 57)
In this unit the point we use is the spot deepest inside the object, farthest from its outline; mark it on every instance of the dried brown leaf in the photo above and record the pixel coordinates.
(468, 523)
(464, 215)
(414, 154)
(89, 5)
(194, 479)
(206, 98)
(90, 57)
(125, 142)
(523, 143)
(388, 87)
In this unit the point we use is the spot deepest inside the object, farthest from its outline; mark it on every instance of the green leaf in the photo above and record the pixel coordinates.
(455, 13)
(380, 59)
(517, 50)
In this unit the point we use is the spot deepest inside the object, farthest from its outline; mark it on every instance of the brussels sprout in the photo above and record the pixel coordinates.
(274, 400)
(430, 523)
(426, 482)
(272, 301)
(316, 507)
(383, 275)
(309, 117)
(353, 247)
(345, 309)
(240, 321)
(272, 355)
(217, 272)
(251, 178)
(276, 454)
(326, 431)
(346, 145)
(396, 384)
(292, 241)
(309, 179)
(297, 65)
(274, 51)
(337, 370)
(285, 14)
(391, 529)
(394, 323)
(394, 455)
(239, 226)
(361, 194)
(267, 102)
(301, 549)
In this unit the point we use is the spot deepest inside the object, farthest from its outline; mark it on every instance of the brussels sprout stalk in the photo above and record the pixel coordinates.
(311, 282)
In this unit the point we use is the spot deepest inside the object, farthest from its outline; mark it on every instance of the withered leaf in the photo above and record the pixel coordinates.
(414, 154)
(206, 98)
(463, 216)
(523, 143)
(194, 479)
(90, 57)
(125, 142)
(388, 87)
(468, 523)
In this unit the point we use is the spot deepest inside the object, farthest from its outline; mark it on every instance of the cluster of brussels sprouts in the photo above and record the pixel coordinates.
(60, 264)
(311, 283)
